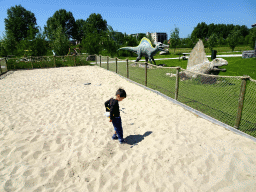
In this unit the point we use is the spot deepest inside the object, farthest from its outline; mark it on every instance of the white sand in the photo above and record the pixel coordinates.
(54, 137)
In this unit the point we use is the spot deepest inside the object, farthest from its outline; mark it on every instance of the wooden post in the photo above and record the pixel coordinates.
(96, 59)
(146, 74)
(116, 64)
(54, 61)
(74, 60)
(107, 64)
(177, 83)
(100, 60)
(241, 101)
(1, 67)
(127, 68)
(31, 62)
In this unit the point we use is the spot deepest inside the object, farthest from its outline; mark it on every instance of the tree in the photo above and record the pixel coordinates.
(95, 24)
(220, 40)
(200, 31)
(65, 20)
(211, 29)
(32, 46)
(189, 42)
(109, 45)
(8, 45)
(233, 39)
(252, 40)
(61, 42)
(80, 24)
(174, 38)
(18, 22)
(140, 36)
(212, 41)
(92, 43)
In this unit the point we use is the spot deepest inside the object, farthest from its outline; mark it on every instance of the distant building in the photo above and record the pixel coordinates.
(136, 35)
(157, 37)
(254, 25)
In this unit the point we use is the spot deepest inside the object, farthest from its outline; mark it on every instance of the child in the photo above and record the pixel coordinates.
(113, 107)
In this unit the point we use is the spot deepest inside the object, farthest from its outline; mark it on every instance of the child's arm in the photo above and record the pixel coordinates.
(107, 105)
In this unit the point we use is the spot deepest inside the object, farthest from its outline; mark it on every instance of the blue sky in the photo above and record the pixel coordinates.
(143, 16)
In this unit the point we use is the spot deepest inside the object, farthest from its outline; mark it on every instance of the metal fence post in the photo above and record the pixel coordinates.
(100, 60)
(177, 83)
(127, 68)
(116, 64)
(146, 74)
(241, 101)
(107, 64)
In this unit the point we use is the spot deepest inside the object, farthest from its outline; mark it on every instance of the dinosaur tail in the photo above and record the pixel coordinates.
(133, 49)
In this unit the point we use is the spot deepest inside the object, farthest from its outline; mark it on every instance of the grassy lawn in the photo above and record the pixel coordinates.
(218, 100)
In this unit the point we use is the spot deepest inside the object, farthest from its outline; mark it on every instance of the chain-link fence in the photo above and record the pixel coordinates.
(230, 100)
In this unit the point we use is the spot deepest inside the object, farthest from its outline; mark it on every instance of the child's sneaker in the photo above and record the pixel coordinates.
(122, 141)
(114, 137)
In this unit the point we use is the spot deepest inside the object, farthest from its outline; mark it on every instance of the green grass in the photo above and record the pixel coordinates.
(218, 100)
(237, 66)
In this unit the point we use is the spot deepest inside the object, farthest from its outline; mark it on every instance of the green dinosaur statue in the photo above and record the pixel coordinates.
(146, 49)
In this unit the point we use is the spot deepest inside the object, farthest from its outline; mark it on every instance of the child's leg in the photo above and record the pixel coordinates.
(117, 123)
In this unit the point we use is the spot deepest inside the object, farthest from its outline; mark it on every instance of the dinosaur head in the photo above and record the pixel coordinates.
(160, 46)
(216, 63)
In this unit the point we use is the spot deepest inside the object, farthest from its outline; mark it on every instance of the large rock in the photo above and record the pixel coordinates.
(197, 55)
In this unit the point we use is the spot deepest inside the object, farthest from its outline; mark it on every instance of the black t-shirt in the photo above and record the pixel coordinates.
(113, 106)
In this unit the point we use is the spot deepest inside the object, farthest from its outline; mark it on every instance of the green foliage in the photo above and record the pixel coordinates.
(61, 42)
(18, 22)
(252, 40)
(200, 31)
(109, 45)
(65, 20)
(95, 24)
(174, 38)
(8, 45)
(212, 41)
(220, 40)
(80, 24)
(140, 36)
(92, 43)
(233, 39)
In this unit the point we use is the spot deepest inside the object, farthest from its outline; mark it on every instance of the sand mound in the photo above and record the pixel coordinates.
(54, 137)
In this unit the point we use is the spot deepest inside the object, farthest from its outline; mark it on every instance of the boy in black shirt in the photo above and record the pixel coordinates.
(113, 107)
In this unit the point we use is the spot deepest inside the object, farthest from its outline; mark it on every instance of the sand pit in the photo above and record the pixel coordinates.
(54, 137)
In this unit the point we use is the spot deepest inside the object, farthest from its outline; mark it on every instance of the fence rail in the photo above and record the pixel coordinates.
(8, 64)
(229, 99)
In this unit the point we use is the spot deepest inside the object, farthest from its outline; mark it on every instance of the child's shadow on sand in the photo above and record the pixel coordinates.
(135, 139)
